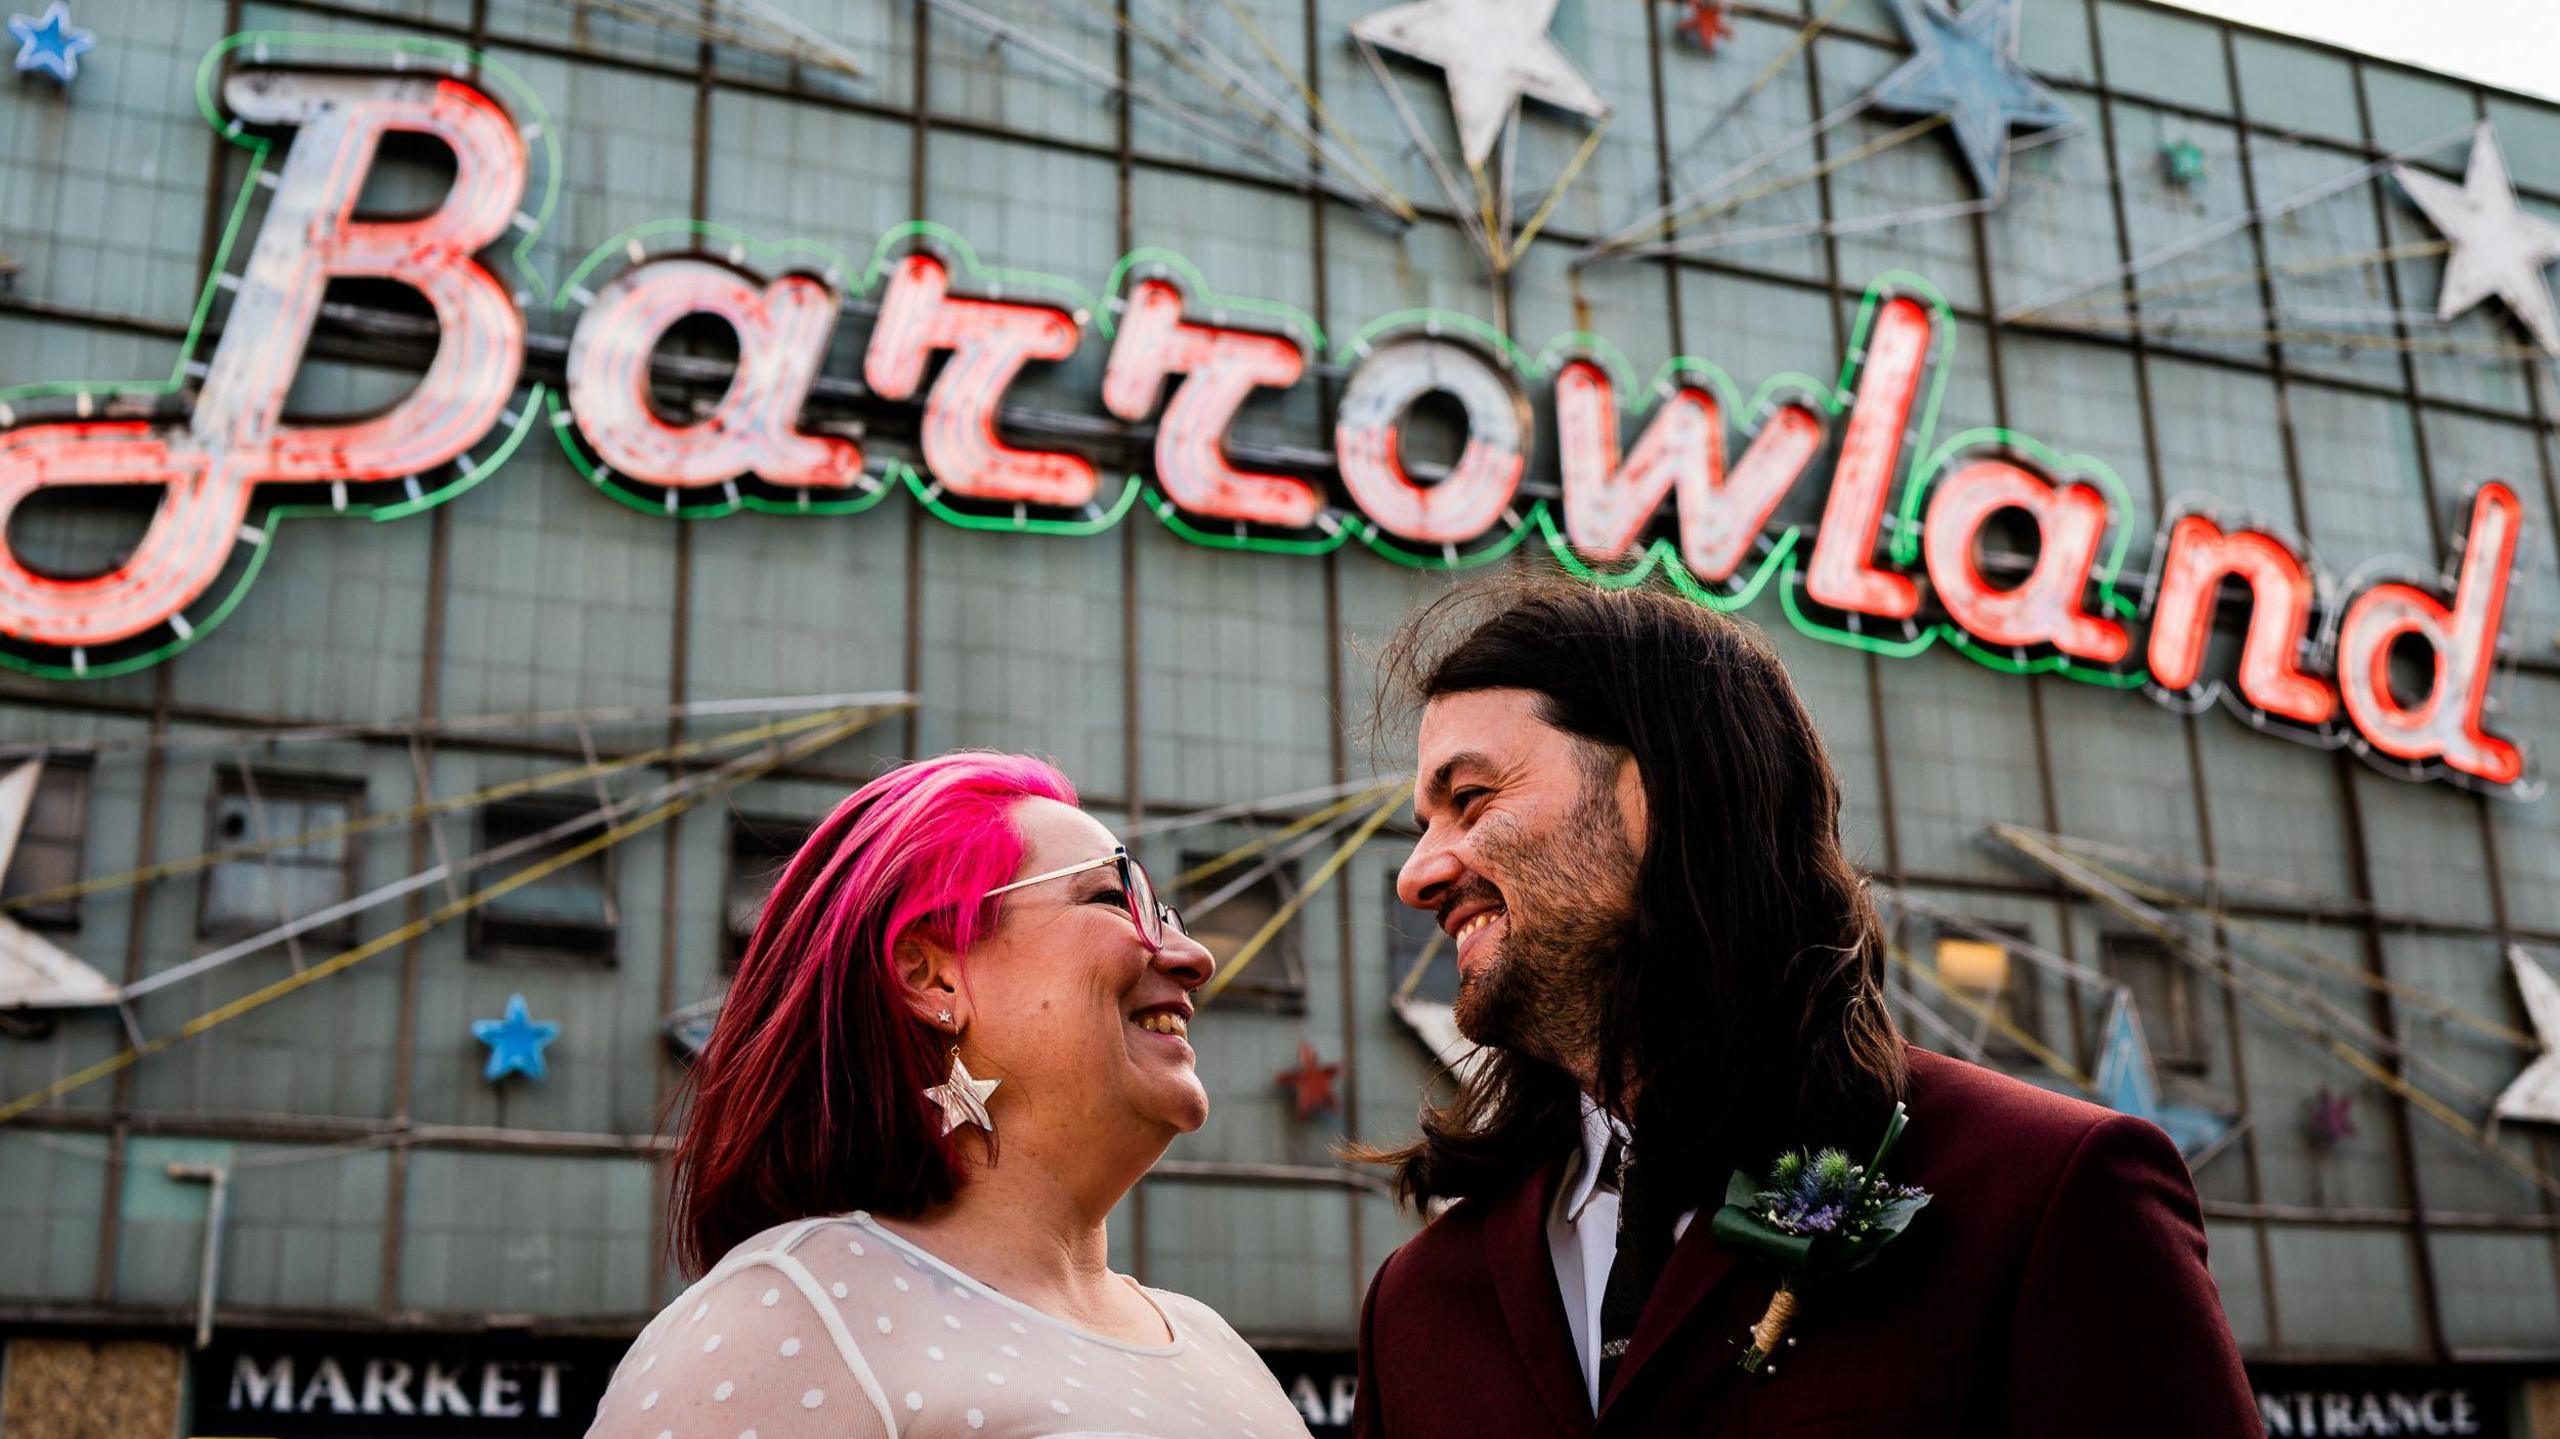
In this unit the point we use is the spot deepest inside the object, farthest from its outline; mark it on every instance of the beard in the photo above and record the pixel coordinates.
(1568, 912)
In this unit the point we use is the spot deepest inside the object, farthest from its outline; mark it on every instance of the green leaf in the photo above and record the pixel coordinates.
(1738, 1229)
(1741, 1191)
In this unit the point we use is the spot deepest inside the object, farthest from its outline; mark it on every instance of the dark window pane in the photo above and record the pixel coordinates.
(258, 891)
(569, 913)
(1224, 911)
(51, 845)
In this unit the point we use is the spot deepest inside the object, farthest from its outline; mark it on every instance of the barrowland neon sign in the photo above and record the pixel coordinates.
(1892, 566)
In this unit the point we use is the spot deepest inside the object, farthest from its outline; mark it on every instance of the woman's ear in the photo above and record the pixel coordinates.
(930, 974)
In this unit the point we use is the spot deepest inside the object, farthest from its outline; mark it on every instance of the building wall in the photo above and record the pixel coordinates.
(1166, 677)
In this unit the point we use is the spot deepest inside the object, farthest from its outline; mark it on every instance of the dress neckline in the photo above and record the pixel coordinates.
(1076, 1333)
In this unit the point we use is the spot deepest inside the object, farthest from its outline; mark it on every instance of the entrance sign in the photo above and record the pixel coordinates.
(1987, 541)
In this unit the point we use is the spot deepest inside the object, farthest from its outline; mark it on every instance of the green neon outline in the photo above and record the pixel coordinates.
(917, 486)
(1171, 517)
(1291, 321)
(518, 262)
(891, 244)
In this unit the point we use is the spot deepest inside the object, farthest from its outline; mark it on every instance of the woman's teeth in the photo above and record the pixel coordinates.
(1164, 1022)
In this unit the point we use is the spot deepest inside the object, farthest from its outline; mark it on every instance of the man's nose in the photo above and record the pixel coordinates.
(1427, 874)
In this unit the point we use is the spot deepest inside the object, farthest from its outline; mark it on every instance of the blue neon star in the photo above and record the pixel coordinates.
(51, 43)
(2127, 1085)
(1966, 68)
(515, 1042)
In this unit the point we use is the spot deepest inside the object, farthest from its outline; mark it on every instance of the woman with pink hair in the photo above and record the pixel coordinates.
(957, 1039)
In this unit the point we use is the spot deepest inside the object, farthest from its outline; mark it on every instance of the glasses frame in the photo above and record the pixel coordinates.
(1153, 928)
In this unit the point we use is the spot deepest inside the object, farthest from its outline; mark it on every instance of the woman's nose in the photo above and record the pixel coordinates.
(1186, 959)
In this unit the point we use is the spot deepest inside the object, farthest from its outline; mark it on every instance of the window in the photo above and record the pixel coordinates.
(2164, 994)
(1227, 910)
(759, 849)
(1981, 963)
(257, 892)
(1412, 935)
(51, 843)
(568, 914)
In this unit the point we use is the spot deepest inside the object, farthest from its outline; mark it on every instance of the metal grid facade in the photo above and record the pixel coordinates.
(380, 1176)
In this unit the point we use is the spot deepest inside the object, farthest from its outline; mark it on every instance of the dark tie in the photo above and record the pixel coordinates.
(1644, 1245)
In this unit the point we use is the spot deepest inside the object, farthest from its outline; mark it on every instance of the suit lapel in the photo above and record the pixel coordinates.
(1524, 1280)
(1698, 1267)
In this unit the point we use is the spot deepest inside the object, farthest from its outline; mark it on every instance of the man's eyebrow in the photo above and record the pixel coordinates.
(1436, 786)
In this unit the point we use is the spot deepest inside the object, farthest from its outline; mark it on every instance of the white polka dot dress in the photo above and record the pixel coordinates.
(839, 1329)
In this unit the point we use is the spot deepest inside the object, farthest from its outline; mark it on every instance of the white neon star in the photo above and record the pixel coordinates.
(35, 973)
(963, 1098)
(1494, 52)
(2535, 1094)
(2498, 249)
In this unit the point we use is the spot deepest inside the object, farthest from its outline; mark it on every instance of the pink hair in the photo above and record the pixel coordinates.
(809, 1098)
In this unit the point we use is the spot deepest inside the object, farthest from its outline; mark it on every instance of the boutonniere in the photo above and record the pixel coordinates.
(1815, 1216)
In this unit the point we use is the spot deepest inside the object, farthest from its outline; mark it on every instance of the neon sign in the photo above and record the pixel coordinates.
(1897, 563)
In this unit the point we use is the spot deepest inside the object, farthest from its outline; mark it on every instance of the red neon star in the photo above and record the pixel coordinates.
(2331, 1119)
(1310, 1083)
(1706, 24)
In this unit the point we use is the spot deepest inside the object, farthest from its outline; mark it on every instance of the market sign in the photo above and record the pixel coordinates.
(2397, 666)
(325, 1384)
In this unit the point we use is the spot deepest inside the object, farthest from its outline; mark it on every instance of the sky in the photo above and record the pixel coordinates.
(2513, 44)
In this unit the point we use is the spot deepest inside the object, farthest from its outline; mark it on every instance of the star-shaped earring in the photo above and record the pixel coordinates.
(963, 1097)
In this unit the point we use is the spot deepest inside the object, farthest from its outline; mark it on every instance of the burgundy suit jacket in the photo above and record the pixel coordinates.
(2055, 1285)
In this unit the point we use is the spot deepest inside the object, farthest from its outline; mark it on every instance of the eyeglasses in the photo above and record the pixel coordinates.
(1154, 918)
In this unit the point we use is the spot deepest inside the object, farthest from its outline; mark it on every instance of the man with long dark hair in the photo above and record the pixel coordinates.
(1630, 830)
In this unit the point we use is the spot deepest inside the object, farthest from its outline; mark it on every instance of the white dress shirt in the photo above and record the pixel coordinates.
(1582, 1239)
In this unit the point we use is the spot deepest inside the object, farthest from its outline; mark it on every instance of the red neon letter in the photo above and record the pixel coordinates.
(2446, 723)
(989, 342)
(235, 440)
(783, 331)
(2199, 555)
(1606, 504)
(1221, 367)
(2046, 608)
(1370, 451)
(1843, 574)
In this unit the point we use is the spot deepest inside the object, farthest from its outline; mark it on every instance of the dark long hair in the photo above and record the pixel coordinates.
(1747, 1013)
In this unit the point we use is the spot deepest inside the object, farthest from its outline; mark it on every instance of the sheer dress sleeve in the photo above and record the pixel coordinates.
(756, 1350)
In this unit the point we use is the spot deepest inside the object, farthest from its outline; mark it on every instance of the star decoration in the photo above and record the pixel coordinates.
(1706, 24)
(963, 1098)
(1494, 52)
(1966, 68)
(2127, 1084)
(1310, 1083)
(34, 972)
(2535, 1094)
(2498, 249)
(515, 1042)
(2333, 1119)
(51, 43)
(2184, 160)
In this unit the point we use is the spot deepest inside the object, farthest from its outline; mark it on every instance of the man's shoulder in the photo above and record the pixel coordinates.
(1965, 1117)
(1451, 1246)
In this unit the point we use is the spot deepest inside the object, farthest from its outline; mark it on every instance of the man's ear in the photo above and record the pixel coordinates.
(930, 975)
(1631, 804)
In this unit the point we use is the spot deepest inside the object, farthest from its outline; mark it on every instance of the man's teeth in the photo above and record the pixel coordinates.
(1479, 922)
(1165, 1022)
